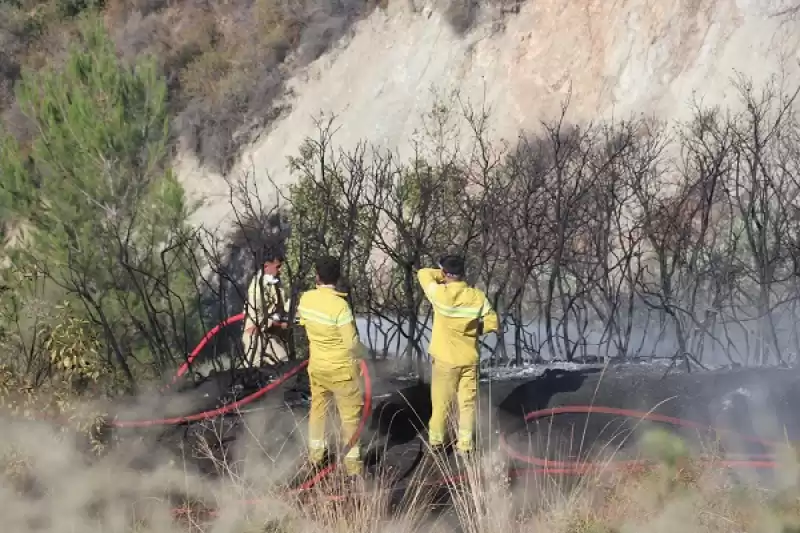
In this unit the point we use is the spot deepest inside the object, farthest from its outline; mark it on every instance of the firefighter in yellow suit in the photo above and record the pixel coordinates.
(265, 326)
(460, 314)
(333, 359)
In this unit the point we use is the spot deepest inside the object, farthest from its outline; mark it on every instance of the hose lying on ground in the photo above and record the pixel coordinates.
(534, 465)
(581, 467)
(199, 348)
(234, 406)
(229, 408)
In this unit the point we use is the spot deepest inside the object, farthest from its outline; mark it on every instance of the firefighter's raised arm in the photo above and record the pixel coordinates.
(429, 279)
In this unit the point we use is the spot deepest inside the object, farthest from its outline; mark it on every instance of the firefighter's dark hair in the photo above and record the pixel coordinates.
(270, 253)
(329, 270)
(453, 265)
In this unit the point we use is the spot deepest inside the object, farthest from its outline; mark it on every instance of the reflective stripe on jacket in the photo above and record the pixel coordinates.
(331, 329)
(457, 310)
(262, 302)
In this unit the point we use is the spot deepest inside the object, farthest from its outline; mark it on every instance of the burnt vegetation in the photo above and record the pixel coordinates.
(627, 239)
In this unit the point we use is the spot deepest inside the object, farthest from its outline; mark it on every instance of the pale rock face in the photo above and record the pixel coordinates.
(621, 58)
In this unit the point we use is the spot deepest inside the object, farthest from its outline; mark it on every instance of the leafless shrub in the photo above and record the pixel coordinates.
(621, 239)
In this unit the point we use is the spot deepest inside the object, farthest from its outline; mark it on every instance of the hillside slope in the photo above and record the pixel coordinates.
(623, 57)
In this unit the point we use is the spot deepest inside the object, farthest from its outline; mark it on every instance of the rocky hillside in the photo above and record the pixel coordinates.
(522, 60)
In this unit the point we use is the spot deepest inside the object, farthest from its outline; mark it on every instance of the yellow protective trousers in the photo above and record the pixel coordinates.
(343, 387)
(448, 381)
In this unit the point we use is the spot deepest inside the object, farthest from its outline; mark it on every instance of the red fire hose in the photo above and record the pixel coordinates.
(205, 415)
(199, 348)
(580, 467)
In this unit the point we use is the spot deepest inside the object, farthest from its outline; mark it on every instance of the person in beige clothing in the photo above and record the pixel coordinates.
(265, 327)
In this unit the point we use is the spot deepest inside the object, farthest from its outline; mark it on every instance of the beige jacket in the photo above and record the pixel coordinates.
(263, 302)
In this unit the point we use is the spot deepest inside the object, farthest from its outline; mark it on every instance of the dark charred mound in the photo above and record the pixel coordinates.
(274, 423)
(751, 402)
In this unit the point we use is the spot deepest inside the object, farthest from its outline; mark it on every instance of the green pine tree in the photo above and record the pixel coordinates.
(107, 217)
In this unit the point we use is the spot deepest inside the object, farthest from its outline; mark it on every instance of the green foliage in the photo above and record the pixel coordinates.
(103, 133)
(72, 8)
(108, 218)
(664, 446)
(310, 202)
(329, 215)
(26, 317)
(74, 348)
(14, 184)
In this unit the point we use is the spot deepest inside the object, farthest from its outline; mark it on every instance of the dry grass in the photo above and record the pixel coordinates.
(677, 494)
(227, 62)
(50, 486)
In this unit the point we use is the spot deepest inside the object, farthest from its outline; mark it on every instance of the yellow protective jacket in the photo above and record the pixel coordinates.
(262, 302)
(457, 308)
(331, 330)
